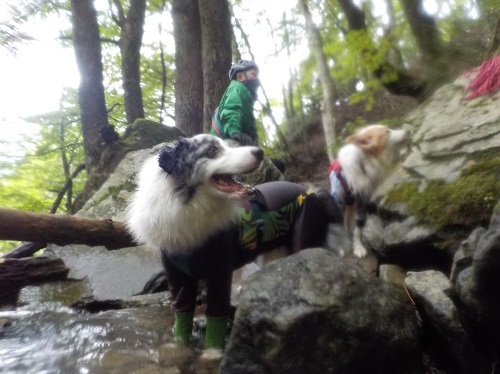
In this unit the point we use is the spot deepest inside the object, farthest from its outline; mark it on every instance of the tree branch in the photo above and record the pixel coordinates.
(25, 250)
(67, 185)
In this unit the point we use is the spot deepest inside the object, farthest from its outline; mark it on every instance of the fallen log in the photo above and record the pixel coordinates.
(63, 229)
(17, 273)
(25, 250)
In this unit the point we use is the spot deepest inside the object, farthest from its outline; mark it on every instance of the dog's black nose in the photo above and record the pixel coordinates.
(258, 154)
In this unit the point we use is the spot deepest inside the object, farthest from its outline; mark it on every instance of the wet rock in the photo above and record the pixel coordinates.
(139, 301)
(65, 292)
(476, 285)
(111, 274)
(486, 261)
(5, 322)
(157, 283)
(433, 294)
(175, 356)
(392, 273)
(369, 263)
(410, 245)
(373, 233)
(464, 255)
(315, 313)
(407, 232)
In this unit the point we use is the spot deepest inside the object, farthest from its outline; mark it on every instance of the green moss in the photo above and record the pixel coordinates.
(113, 191)
(469, 200)
(146, 134)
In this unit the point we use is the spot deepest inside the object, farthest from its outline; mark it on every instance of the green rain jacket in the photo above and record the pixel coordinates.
(235, 112)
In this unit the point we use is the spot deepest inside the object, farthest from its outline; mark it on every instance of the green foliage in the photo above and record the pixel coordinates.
(152, 76)
(21, 189)
(356, 58)
(33, 182)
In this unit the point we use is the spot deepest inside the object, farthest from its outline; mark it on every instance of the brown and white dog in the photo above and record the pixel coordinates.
(362, 164)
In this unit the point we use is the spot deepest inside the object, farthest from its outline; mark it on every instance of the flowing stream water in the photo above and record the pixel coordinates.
(50, 338)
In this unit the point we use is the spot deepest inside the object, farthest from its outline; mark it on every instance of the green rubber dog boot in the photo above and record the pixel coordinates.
(215, 335)
(183, 328)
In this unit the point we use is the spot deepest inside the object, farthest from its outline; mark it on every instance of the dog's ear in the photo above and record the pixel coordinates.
(368, 144)
(170, 158)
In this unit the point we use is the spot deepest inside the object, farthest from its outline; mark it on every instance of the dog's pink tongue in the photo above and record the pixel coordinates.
(227, 184)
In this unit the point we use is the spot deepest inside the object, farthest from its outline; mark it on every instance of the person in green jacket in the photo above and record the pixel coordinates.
(234, 118)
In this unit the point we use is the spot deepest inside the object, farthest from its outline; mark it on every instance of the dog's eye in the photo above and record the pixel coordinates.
(212, 152)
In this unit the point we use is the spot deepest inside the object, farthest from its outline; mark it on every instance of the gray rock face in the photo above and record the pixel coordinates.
(464, 255)
(110, 274)
(124, 272)
(315, 313)
(477, 284)
(449, 136)
(449, 129)
(434, 295)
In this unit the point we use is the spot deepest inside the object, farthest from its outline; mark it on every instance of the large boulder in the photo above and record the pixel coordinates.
(448, 184)
(142, 134)
(315, 313)
(125, 272)
(477, 283)
(446, 335)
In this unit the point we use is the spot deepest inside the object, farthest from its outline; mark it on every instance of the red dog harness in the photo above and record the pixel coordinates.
(346, 198)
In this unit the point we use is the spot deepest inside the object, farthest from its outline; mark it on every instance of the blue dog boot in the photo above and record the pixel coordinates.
(183, 327)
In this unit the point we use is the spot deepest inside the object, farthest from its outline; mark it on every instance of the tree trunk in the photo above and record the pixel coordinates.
(17, 273)
(216, 34)
(404, 84)
(188, 67)
(426, 33)
(63, 229)
(424, 29)
(91, 91)
(327, 85)
(355, 16)
(131, 32)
